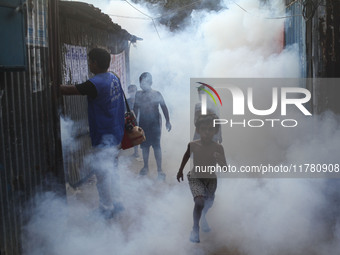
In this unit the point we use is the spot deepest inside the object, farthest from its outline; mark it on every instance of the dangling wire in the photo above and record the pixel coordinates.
(309, 8)
(153, 21)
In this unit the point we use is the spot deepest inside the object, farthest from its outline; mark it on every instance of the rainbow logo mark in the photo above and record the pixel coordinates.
(209, 93)
(204, 96)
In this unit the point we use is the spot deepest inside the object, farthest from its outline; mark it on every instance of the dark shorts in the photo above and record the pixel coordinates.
(152, 135)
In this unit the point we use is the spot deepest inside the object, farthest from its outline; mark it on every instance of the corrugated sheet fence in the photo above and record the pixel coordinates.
(29, 150)
(314, 26)
(295, 32)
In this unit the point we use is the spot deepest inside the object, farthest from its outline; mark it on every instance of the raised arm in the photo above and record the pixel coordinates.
(69, 90)
(185, 159)
(166, 113)
(86, 88)
(220, 157)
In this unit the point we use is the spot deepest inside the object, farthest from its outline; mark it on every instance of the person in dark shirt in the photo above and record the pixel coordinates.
(146, 106)
(106, 110)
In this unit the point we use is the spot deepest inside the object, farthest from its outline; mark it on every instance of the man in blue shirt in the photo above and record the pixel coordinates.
(106, 110)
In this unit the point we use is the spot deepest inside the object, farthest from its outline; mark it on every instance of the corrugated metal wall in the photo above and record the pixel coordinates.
(325, 55)
(315, 27)
(295, 32)
(325, 39)
(31, 156)
(29, 146)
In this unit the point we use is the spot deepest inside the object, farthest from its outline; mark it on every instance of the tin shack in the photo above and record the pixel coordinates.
(44, 43)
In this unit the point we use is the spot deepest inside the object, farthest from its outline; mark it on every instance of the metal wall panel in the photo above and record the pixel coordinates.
(28, 146)
(325, 55)
(315, 27)
(295, 32)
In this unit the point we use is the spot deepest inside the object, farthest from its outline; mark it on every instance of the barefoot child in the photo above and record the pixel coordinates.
(202, 184)
(146, 106)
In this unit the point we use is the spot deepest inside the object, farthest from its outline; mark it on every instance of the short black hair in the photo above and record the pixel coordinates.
(101, 57)
(145, 75)
(132, 86)
(200, 88)
(208, 118)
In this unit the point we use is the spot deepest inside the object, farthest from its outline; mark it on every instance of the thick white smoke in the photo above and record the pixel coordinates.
(250, 216)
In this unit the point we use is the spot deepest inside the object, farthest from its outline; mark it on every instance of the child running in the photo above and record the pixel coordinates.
(202, 184)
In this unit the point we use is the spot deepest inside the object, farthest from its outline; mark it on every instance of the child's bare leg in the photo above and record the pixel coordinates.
(199, 205)
(198, 208)
(207, 205)
(145, 169)
(146, 152)
(158, 156)
(135, 151)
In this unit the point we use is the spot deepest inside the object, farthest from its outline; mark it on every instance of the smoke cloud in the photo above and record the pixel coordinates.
(249, 216)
